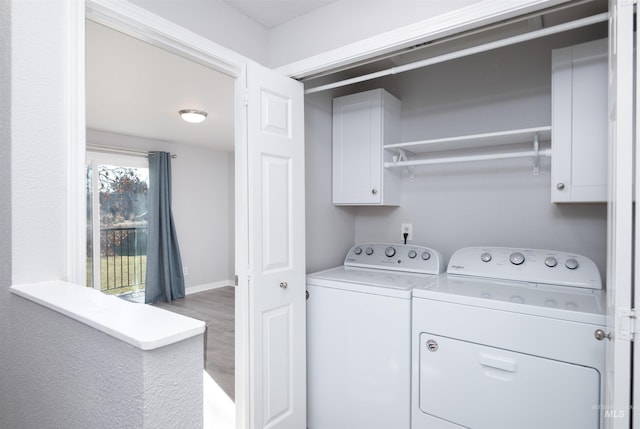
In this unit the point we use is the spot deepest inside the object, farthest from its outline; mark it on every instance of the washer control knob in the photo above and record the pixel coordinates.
(412, 254)
(516, 258)
(369, 251)
(551, 262)
(571, 263)
(357, 250)
(389, 251)
(425, 256)
(485, 257)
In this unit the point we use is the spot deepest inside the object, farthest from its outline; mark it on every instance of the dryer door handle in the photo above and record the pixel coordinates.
(504, 364)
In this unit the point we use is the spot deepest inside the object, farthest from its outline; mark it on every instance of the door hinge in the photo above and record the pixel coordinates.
(626, 323)
(245, 98)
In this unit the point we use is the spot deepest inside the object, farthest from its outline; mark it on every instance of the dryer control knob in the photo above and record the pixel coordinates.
(516, 258)
(412, 254)
(357, 250)
(571, 263)
(389, 251)
(486, 257)
(369, 251)
(426, 256)
(551, 262)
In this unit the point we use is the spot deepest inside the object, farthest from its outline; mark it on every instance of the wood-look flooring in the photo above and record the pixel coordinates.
(216, 308)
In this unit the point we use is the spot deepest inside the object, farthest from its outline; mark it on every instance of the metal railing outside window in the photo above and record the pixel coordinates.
(123, 259)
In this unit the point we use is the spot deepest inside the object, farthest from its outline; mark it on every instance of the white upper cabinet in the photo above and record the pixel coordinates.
(579, 123)
(362, 124)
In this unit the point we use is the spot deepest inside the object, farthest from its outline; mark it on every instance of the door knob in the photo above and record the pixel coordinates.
(601, 335)
(284, 285)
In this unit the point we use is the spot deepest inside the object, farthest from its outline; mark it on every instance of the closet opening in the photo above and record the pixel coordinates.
(447, 47)
(134, 94)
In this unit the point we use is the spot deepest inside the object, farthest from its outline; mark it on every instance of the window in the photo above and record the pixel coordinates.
(117, 212)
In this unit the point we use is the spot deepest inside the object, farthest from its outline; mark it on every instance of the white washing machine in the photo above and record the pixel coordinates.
(359, 337)
(506, 340)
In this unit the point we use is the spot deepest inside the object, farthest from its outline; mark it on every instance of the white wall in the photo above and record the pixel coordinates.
(38, 168)
(34, 60)
(497, 203)
(216, 21)
(347, 21)
(201, 205)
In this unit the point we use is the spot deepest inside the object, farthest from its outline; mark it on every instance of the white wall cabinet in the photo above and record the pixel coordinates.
(362, 124)
(579, 123)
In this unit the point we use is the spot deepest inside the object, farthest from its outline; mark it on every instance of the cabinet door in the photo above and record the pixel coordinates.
(362, 124)
(579, 134)
(357, 148)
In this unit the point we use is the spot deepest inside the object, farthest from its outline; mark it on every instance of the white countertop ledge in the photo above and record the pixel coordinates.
(143, 326)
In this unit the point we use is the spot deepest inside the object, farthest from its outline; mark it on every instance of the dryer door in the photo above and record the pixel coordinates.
(488, 388)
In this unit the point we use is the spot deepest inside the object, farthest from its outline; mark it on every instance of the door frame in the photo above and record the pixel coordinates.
(143, 25)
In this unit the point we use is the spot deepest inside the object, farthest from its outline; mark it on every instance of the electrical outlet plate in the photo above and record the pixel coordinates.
(407, 228)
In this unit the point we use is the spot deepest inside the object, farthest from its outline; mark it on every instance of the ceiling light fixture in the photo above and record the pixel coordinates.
(193, 116)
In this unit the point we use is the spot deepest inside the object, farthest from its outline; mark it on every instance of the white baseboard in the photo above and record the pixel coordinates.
(208, 286)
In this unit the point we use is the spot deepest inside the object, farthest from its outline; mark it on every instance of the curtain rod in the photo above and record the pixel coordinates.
(113, 149)
(583, 22)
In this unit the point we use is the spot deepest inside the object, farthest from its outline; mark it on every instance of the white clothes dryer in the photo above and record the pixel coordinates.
(506, 340)
(359, 336)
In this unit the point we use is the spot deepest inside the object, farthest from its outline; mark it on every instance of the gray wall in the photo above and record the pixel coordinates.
(231, 180)
(5, 191)
(73, 376)
(329, 229)
(497, 203)
(201, 205)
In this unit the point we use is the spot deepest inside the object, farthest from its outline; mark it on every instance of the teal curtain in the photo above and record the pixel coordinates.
(165, 281)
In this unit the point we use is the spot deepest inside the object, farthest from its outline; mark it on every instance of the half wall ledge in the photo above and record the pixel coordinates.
(142, 326)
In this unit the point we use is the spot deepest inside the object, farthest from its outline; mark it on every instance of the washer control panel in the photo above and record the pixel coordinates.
(395, 257)
(530, 265)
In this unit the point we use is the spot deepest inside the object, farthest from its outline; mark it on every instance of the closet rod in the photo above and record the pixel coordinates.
(113, 149)
(572, 25)
(469, 158)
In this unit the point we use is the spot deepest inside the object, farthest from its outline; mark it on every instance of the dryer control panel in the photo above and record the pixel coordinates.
(395, 257)
(529, 265)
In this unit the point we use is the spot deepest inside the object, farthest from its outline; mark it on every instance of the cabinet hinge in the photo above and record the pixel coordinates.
(626, 323)
(245, 98)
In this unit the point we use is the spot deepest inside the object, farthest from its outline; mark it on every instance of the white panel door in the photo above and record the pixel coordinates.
(616, 411)
(276, 252)
(636, 293)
